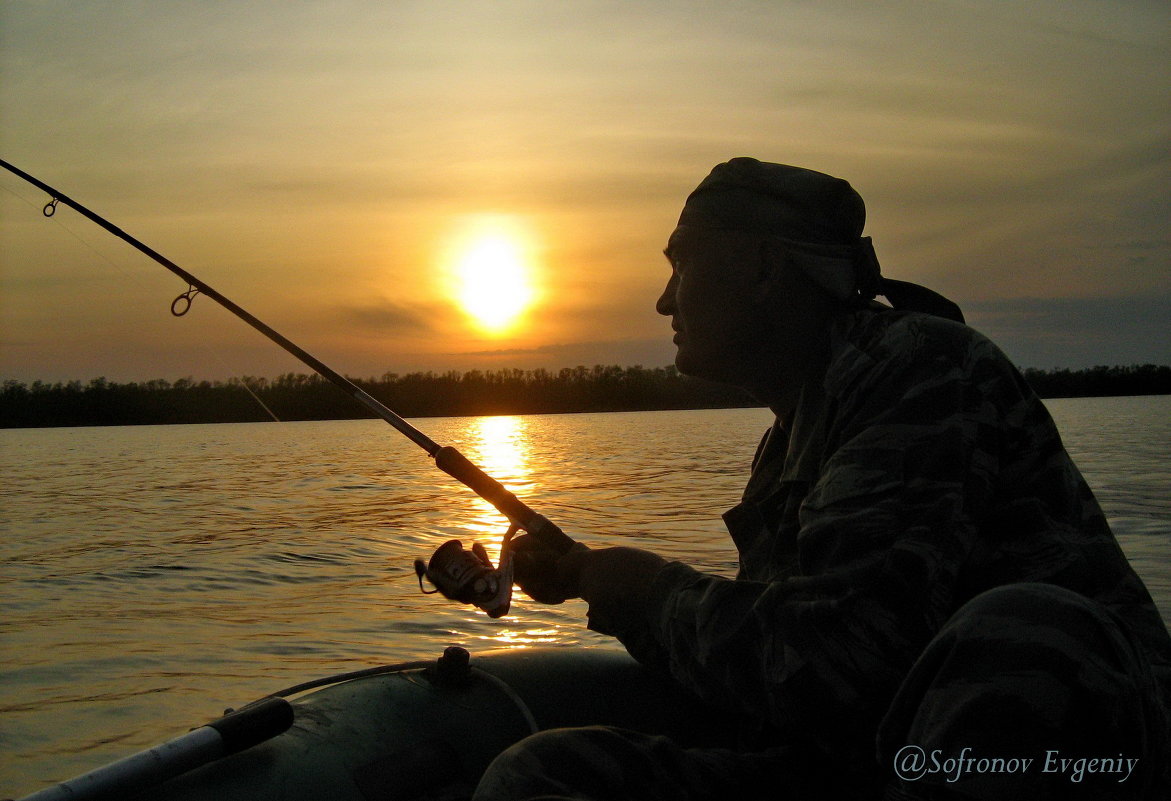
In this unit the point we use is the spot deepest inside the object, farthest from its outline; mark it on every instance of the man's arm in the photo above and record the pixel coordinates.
(912, 449)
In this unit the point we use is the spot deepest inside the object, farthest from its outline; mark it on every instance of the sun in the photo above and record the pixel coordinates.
(493, 273)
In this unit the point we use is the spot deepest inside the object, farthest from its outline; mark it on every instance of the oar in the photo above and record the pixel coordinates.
(234, 732)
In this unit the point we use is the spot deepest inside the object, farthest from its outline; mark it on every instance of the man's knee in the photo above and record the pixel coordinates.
(1029, 639)
(600, 762)
(590, 760)
(1030, 604)
(1025, 669)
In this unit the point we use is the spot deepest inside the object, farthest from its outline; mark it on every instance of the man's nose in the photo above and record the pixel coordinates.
(665, 305)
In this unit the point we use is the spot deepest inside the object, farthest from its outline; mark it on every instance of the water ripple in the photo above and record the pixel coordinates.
(153, 576)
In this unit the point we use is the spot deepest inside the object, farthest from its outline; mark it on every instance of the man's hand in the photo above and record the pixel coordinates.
(610, 578)
(614, 581)
(547, 572)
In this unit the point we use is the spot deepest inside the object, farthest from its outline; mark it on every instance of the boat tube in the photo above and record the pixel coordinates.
(421, 730)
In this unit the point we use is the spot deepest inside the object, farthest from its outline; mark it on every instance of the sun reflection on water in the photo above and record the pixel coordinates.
(500, 447)
(526, 637)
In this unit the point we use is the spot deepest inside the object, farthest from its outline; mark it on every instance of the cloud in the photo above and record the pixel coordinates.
(1015, 151)
(648, 352)
(1078, 332)
(388, 317)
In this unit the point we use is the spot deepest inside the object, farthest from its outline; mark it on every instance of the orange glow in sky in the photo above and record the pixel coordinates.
(400, 187)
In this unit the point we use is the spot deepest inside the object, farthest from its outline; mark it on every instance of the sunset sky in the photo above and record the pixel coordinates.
(345, 170)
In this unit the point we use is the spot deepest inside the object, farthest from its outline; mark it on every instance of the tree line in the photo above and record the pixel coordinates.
(295, 396)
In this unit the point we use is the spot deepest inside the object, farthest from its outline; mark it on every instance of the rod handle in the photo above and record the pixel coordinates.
(459, 467)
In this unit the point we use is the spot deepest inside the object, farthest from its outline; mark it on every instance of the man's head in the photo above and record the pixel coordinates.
(761, 256)
(776, 200)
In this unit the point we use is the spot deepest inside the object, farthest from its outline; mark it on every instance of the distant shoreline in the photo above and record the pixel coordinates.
(601, 388)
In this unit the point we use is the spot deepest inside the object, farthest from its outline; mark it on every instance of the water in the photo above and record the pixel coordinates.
(153, 576)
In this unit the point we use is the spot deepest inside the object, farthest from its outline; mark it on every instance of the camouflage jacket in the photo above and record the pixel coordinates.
(920, 472)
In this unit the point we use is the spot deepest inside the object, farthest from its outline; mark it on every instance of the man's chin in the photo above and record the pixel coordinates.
(708, 369)
(717, 370)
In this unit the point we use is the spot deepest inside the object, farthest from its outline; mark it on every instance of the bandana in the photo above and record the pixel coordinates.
(819, 220)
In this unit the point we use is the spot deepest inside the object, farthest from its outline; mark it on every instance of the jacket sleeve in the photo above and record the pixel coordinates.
(911, 450)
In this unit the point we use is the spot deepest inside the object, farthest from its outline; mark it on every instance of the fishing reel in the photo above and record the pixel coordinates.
(469, 577)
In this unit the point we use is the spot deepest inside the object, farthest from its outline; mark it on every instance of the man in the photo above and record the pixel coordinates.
(930, 603)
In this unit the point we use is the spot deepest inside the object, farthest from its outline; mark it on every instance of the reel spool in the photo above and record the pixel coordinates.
(469, 576)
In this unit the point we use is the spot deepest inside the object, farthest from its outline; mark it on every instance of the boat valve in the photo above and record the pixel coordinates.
(469, 577)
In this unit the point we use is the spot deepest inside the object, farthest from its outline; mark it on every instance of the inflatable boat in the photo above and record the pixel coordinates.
(412, 731)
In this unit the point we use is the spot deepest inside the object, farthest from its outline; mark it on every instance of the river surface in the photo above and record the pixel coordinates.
(152, 576)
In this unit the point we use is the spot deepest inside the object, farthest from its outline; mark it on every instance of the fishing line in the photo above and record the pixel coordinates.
(53, 218)
(263, 405)
(243, 383)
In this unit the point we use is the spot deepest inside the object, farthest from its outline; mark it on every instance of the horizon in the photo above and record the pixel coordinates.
(400, 188)
(387, 376)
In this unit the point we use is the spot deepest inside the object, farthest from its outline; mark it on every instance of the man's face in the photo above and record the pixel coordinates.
(714, 298)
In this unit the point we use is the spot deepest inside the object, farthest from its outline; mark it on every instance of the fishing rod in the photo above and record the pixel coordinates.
(460, 575)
